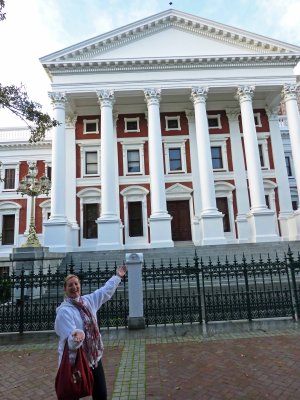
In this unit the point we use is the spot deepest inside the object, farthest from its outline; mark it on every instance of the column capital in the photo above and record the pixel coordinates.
(272, 114)
(289, 91)
(245, 93)
(199, 94)
(106, 97)
(58, 99)
(190, 115)
(70, 120)
(152, 96)
(233, 114)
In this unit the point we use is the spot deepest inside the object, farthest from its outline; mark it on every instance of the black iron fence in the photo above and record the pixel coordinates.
(174, 293)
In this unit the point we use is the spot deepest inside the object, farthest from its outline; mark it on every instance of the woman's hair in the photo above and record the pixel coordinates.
(69, 277)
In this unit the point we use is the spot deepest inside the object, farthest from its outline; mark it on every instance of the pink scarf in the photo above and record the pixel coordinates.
(92, 344)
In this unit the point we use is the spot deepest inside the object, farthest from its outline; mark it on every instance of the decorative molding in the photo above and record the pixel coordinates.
(58, 99)
(70, 120)
(199, 95)
(233, 114)
(289, 91)
(152, 96)
(245, 93)
(106, 97)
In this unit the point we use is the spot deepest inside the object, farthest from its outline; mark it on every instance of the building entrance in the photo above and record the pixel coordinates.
(181, 222)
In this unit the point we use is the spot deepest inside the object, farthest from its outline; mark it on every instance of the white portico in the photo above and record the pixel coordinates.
(184, 103)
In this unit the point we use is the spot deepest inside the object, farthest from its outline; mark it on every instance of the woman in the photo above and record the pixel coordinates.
(76, 321)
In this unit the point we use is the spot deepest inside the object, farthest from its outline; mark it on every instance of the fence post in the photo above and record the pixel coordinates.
(134, 262)
(245, 272)
(294, 292)
(20, 302)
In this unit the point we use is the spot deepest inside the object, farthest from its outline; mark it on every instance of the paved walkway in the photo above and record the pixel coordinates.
(199, 362)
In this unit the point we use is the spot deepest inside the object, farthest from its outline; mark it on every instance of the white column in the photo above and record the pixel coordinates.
(261, 219)
(71, 175)
(211, 220)
(109, 223)
(57, 229)
(240, 178)
(196, 231)
(289, 95)
(160, 220)
(286, 214)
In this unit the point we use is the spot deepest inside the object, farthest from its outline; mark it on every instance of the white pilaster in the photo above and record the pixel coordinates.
(160, 220)
(70, 123)
(289, 95)
(211, 220)
(261, 219)
(240, 178)
(286, 214)
(57, 230)
(109, 224)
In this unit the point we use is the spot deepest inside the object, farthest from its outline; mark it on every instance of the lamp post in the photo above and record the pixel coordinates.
(33, 187)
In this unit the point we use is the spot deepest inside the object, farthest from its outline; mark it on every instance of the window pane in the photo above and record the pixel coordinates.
(90, 214)
(213, 122)
(9, 182)
(49, 173)
(91, 162)
(172, 123)
(288, 166)
(131, 126)
(175, 159)
(261, 155)
(133, 161)
(8, 229)
(222, 206)
(216, 156)
(90, 126)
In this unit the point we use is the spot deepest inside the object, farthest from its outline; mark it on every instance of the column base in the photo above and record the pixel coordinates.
(287, 224)
(58, 236)
(212, 228)
(109, 234)
(160, 231)
(136, 323)
(262, 226)
(243, 229)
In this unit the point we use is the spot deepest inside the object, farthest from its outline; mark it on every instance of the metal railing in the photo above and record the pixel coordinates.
(175, 293)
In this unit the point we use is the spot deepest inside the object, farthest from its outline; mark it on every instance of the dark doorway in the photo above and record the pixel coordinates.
(181, 222)
(135, 218)
(222, 206)
(8, 229)
(90, 214)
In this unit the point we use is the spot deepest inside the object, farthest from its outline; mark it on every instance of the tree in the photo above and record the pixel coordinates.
(16, 100)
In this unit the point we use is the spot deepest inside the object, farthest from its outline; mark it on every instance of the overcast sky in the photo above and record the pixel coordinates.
(35, 28)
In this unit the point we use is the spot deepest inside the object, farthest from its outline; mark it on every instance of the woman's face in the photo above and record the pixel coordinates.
(72, 288)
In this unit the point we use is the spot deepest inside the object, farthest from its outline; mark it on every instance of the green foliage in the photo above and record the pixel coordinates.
(16, 100)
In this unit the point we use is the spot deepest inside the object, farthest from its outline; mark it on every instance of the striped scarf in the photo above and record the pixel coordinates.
(92, 344)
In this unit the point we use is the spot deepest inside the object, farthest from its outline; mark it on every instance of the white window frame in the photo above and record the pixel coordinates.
(140, 148)
(262, 140)
(133, 119)
(84, 150)
(169, 118)
(87, 121)
(225, 189)
(175, 145)
(220, 142)
(213, 116)
(17, 169)
(257, 115)
(10, 208)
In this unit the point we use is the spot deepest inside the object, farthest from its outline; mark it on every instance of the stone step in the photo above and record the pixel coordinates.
(184, 252)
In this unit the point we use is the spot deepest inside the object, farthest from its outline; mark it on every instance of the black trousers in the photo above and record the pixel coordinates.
(99, 389)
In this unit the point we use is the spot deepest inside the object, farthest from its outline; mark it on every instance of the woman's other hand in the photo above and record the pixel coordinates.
(78, 336)
(121, 271)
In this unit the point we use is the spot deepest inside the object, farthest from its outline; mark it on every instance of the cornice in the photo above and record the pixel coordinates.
(45, 145)
(174, 63)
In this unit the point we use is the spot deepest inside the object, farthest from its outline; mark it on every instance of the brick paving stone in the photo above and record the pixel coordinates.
(250, 369)
(30, 374)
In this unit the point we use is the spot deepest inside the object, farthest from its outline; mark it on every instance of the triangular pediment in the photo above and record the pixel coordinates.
(170, 34)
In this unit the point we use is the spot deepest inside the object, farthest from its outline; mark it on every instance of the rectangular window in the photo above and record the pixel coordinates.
(222, 206)
(288, 166)
(213, 122)
(9, 178)
(257, 120)
(261, 155)
(49, 173)
(172, 124)
(132, 124)
(135, 218)
(175, 159)
(90, 214)
(8, 229)
(90, 126)
(91, 163)
(216, 156)
(133, 161)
